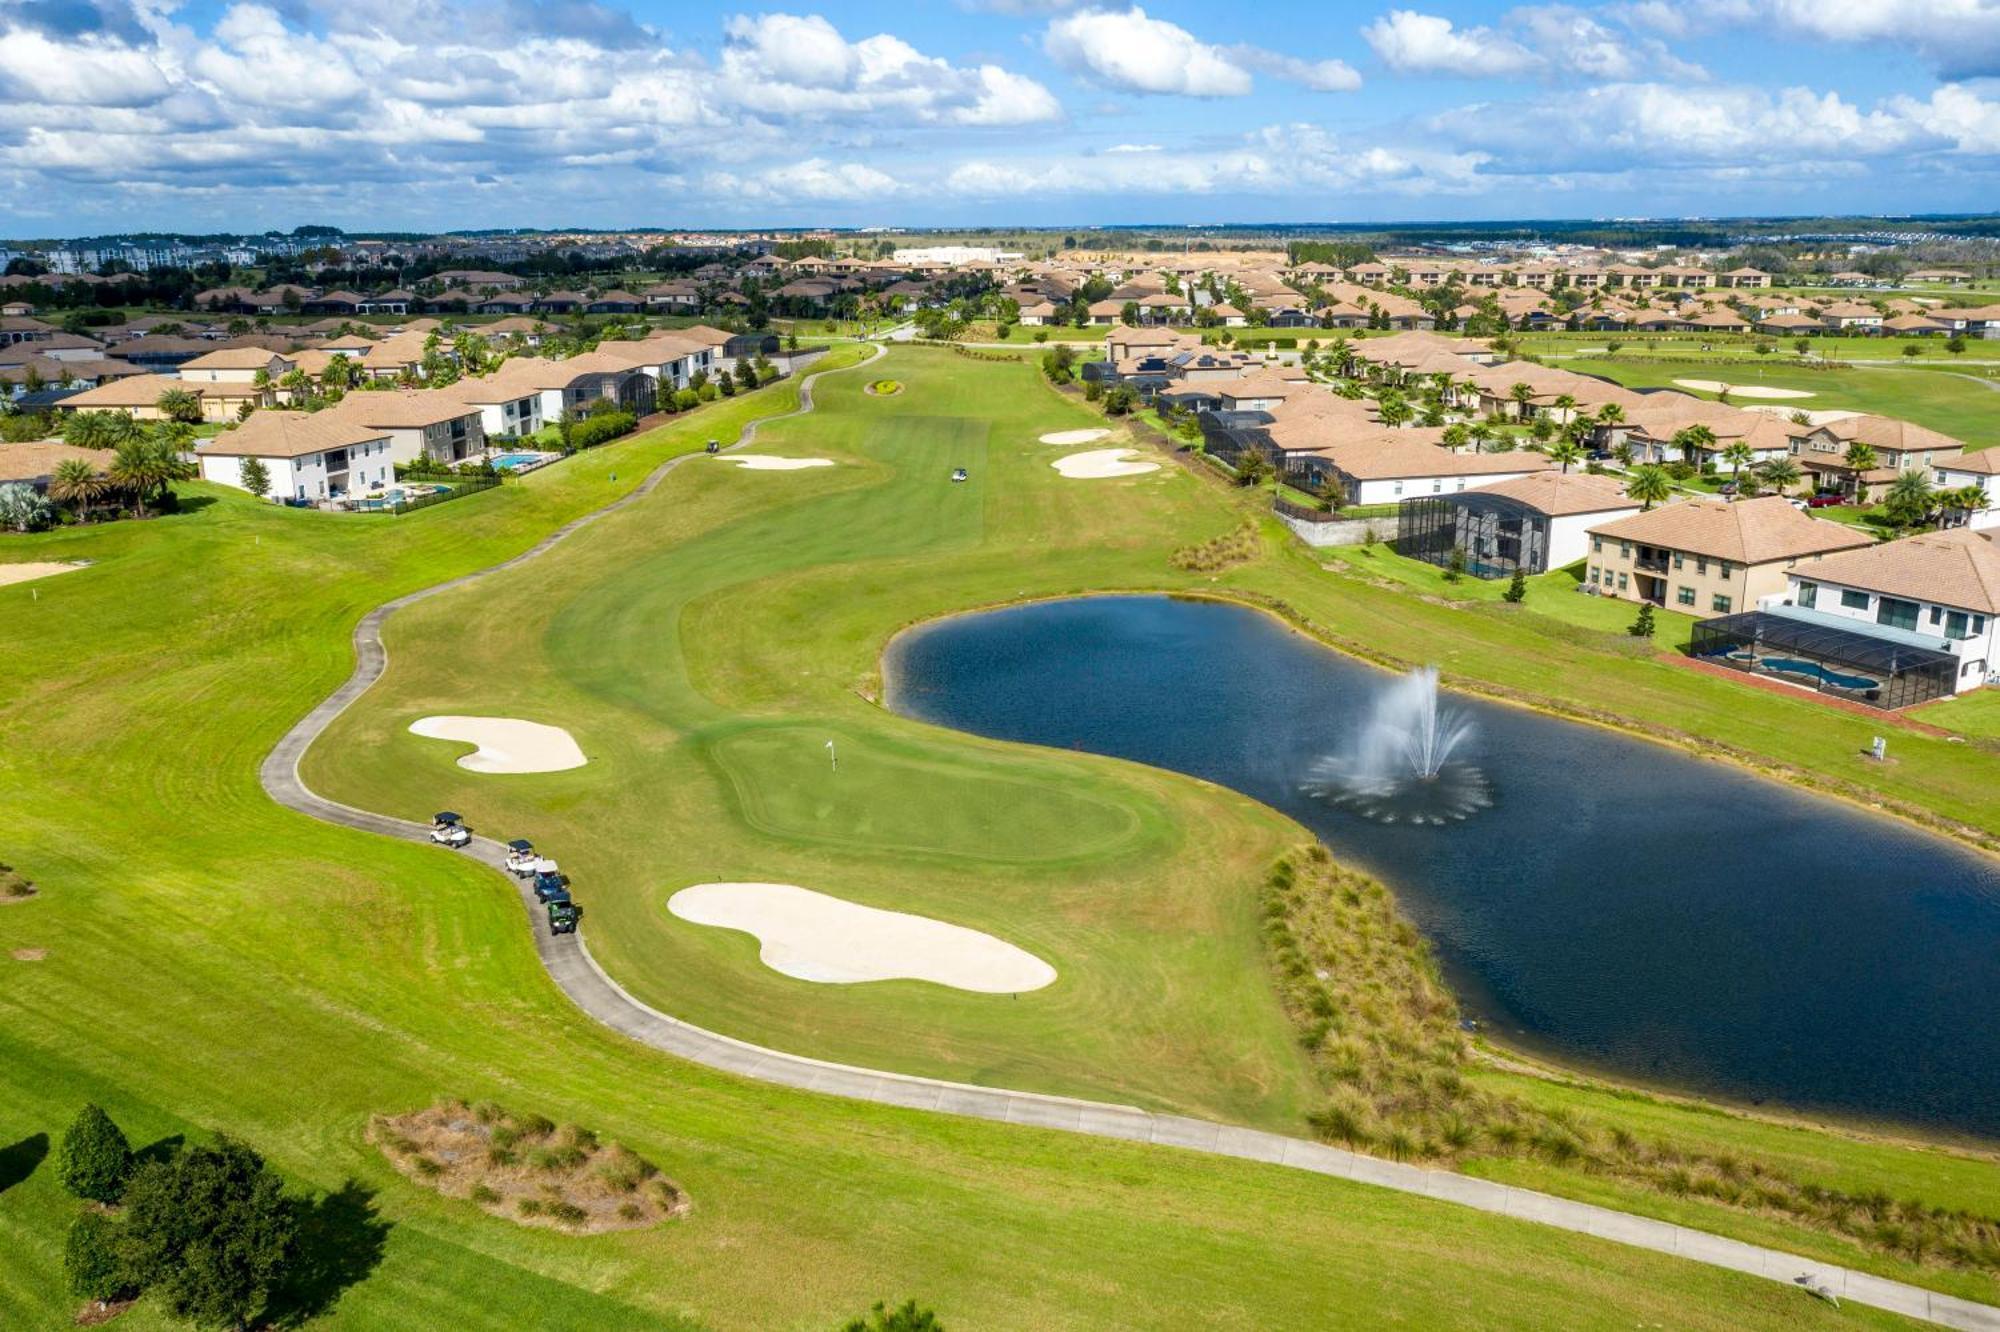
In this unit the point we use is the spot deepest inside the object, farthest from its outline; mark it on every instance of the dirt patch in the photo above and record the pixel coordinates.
(30, 954)
(95, 1314)
(15, 886)
(883, 388)
(528, 1169)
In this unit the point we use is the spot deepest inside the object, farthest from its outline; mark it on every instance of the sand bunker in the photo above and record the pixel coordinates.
(1101, 463)
(1074, 436)
(814, 937)
(1740, 390)
(505, 745)
(21, 573)
(764, 462)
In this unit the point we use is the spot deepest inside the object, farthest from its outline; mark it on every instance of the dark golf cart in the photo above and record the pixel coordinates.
(715, 446)
(551, 887)
(563, 917)
(447, 829)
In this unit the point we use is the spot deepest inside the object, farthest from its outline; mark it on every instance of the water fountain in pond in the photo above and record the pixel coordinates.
(1400, 768)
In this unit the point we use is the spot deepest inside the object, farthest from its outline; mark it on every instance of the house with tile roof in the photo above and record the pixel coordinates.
(1710, 556)
(314, 456)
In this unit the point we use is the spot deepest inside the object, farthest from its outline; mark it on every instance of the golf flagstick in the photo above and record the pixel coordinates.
(832, 757)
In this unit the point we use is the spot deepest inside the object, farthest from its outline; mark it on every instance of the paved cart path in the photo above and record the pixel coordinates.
(570, 964)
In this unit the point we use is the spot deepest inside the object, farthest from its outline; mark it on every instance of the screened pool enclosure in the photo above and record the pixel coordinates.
(1872, 664)
(1497, 534)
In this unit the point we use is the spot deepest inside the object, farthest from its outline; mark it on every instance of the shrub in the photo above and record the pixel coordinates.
(1517, 587)
(528, 1206)
(566, 1212)
(484, 1195)
(95, 1159)
(595, 430)
(91, 1262)
(210, 1230)
(630, 1211)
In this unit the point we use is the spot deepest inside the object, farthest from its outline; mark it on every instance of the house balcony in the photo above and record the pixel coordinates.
(1652, 564)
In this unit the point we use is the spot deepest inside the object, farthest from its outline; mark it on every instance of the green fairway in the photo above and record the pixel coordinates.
(211, 960)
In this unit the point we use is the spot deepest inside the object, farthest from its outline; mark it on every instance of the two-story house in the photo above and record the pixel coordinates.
(1710, 556)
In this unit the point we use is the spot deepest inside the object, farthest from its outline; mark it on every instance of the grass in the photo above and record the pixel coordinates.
(213, 960)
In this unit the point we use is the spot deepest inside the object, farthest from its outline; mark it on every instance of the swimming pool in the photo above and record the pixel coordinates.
(521, 462)
(1812, 670)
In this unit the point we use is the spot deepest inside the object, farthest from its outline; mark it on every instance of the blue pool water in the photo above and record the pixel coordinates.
(507, 462)
(1621, 905)
(1813, 670)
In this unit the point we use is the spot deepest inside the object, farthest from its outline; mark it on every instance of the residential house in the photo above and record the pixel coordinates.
(1385, 466)
(1898, 446)
(1710, 556)
(1851, 316)
(434, 422)
(138, 396)
(314, 456)
(1533, 523)
(235, 365)
(1980, 469)
(33, 463)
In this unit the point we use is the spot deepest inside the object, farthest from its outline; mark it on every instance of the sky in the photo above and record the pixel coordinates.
(453, 114)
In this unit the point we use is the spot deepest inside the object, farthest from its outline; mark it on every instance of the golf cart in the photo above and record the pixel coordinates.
(447, 829)
(551, 886)
(521, 857)
(563, 917)
(960, 474)
(715, 446)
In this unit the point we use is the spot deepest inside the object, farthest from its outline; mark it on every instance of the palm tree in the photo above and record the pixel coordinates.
(1909, 499)
(1967, 500)
(147, 467)
(1739, 456)
(1780, 474)
(179, 405)
(76, 483)
(1392, 410)
(98, 430)
(1564, 451)
(1479, 432)
(1649, 484)
(1610, 414)
(1522, 394)
(1566, 404)
(1693, 441)
(1456, 436)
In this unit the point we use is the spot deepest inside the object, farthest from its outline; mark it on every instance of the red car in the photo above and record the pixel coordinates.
(1824, 501)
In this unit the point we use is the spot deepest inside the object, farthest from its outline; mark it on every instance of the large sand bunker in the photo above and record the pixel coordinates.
(764, 462)
(814, 937)
(505, 744)
(1101, 463)
(1074, 436)
(1740, 390)
(21, 573)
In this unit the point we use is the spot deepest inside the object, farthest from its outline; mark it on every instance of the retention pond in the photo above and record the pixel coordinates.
(1607, 901)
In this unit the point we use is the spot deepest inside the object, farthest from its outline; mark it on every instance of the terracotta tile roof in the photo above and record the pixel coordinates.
(1561, 494)
(1389, 454)
(233, 358)
(1887, 432)
(287, 435)
(132, 391)
(1959, 568)
(400, 409)
(37, 459)
(1754, 531)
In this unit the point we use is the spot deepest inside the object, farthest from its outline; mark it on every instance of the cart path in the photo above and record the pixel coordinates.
(569, 963)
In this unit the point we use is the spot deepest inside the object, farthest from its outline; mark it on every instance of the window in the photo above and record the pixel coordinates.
(1685, 596)
(1590, 574)
(1725, 570)
(1621, 582)
(1399, 487)
(1680, 560)
(1956, 624)
(1701, 565)
(1597, 545)
(1896, 613)
(1721, 604)
(1624, 550)
(1852, 600)
(1808, 595)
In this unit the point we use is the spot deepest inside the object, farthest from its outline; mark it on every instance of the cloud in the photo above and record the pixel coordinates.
(814, 180)
(1129, 51)
(1532, 41)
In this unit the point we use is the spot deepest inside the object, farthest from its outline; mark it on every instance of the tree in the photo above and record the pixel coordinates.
(22, 510)
(98, 430)
(148, 467)
(1649, 484)
(1780, 474)
(1693, 442)
(179, 405)
(1522, 394)
(91, 1261)
(1393, 410)
(1564, 451)
(209, 1230)
(1859, 457)
(95, 1159)
(1642, 627)
(1517, 587)
(1738, 455)
(256, 477)
(1802, 345)
(1251, 467)
(1909, 499)
(1457, 436)
(79, 485)
(1118, 400)
(905, 1317)
(1955, 343)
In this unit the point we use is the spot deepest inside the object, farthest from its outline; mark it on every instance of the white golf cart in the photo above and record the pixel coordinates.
(521, 857)
(447, 829)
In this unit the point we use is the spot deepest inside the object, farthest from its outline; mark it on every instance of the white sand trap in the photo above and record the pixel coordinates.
(1741, 390)
(1074, 436)
(505, 744)
(1816, 418)
(1101, 463)
(764, 462)
(21, 573)
(814, 937)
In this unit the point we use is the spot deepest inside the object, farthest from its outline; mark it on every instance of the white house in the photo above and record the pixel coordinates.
(1941, 587)
(1980, 469)
(307, 455)
(1537, 522)
(1394, 465)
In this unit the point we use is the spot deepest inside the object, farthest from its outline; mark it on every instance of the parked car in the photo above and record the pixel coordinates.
(547, 886)
(1825, 500)
(447, 829)
(521, 857)
(563, 917)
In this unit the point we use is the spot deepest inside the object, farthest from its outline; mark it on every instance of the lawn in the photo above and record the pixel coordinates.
(214, 961)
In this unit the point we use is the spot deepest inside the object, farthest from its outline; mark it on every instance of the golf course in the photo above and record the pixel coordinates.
(198, 958)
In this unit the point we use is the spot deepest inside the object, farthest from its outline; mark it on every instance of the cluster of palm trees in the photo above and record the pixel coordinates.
(138, 467)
